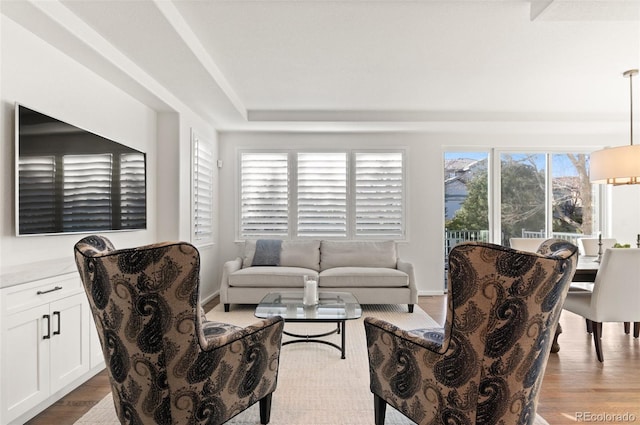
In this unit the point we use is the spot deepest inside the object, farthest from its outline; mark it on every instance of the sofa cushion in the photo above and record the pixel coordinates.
(305, 254)
(267, 276)
(358, 254)
(363, 277)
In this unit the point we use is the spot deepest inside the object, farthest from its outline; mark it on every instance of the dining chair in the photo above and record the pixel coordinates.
(487, 364)
(615, 296)
(589, 246)
(167, 364)
(526, 244)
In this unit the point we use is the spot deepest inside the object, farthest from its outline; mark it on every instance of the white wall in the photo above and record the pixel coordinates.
(48, 81)
(37, 75)
(425, 181)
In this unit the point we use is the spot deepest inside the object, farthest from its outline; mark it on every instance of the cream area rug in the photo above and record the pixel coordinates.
(315, 386)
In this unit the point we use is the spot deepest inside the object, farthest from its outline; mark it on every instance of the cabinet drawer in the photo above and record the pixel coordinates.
(16, 298)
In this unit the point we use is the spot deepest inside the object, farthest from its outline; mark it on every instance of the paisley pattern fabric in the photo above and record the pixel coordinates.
(167, 364)
(486, 365)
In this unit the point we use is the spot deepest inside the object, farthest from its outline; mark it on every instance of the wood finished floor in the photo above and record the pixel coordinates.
(575, 385)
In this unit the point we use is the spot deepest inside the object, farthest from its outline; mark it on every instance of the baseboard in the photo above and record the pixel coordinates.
(37, 409)
(209, 297)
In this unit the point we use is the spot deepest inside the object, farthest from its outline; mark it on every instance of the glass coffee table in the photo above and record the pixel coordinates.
(332, 307)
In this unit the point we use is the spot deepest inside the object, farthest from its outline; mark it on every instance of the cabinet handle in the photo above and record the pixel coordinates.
(57, 313)
(57, 288)
(48, 335)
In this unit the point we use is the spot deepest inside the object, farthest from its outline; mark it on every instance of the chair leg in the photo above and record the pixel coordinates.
(226, 308)
(379, 408)
(597, 339)
(589, 326)
(410, 308)
(636, 329)
(627, 327)
(265, 409)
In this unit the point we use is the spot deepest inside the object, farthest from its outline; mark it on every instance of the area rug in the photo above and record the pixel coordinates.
(315, 386)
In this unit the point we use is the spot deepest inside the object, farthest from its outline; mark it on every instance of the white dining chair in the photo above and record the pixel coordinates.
(615, 296)
(589, 246)
(526, 244)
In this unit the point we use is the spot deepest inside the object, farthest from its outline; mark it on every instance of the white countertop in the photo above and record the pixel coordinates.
(23, 273)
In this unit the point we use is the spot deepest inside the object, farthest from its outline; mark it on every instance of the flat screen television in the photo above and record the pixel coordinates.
(70, 180)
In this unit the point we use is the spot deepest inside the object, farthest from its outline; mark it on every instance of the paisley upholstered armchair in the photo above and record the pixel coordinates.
(486, 366)
(166, 363)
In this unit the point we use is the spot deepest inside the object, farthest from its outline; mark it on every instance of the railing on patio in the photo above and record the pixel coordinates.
(571, 237)
(454, 237)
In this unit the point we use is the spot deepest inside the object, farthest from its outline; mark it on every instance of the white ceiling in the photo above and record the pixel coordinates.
(356, 64)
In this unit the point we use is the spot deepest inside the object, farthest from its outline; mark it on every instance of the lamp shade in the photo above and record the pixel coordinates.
(617, 166)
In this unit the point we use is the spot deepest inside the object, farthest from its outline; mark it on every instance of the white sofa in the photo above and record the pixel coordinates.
(371, 270)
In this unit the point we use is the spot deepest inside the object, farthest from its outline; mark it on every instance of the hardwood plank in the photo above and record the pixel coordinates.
(575, 384)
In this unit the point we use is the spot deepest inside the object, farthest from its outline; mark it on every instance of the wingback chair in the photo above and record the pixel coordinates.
(166, 363)
(486, 366)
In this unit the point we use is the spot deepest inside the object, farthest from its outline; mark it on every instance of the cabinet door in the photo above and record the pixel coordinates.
(69, 340)
(25, 360)
(95, 350)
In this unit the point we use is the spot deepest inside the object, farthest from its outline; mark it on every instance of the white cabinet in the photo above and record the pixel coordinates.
(95, 349)
(46, 343)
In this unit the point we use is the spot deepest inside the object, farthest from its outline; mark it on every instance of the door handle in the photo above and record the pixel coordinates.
(57, 313)
(56, 288)
(48, 335)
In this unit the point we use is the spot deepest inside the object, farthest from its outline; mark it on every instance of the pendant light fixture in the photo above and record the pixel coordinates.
(619, 165)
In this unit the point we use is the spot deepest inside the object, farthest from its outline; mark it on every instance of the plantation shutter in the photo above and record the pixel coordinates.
(37, 194)
(203, 168)
(322, 194)
(87, 192)
(379, 194)
(264, 194)
(132, 191)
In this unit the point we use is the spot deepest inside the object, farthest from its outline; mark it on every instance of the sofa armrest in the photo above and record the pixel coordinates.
(228, 268)
(407, 267)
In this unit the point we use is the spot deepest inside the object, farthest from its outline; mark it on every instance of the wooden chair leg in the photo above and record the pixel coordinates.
(636, 329)
(627, 327)
(597, 339)
(379, 408)
(265, 409)
(589, 325)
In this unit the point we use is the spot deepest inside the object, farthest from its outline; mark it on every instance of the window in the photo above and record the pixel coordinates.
(264, 196)
(203, 168)
(379, 194)
(531, 194)
(322, 194)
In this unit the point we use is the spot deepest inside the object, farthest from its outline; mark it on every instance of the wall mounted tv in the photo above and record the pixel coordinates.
(69, 180)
